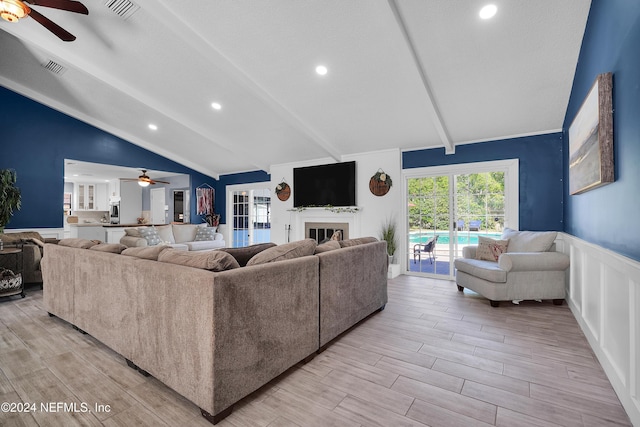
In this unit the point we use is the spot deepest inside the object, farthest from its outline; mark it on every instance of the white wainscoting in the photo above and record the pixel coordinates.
(604, 296)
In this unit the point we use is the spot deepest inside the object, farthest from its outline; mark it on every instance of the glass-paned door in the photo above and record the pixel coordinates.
(480, 207)
(251, 213)
(429, 215)
(446, 212)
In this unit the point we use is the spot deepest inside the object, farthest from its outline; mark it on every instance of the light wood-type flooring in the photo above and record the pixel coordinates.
(433, 357)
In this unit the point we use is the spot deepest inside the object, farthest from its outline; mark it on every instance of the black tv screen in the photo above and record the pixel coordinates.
(333, 184)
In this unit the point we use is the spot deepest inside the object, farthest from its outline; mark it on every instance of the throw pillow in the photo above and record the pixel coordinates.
(529, 241)
(327, 246)
(286, 251)
(165, 232)
(151, 235)
(205, 233)
(184, 232)
(208, 260)
(146, 252)
(114, 248)
(243, 255)
(78, 243)
(489, 249)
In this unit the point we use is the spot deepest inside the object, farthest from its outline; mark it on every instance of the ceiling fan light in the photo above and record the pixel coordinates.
(13, 10)
(143, 183)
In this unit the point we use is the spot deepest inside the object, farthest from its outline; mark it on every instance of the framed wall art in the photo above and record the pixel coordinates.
(591, 139)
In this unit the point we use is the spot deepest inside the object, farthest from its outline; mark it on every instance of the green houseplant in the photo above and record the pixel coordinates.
(388, 233)
(9, 196)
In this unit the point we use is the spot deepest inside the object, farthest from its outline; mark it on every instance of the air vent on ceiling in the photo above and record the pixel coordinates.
(122, 8)
(54, 67)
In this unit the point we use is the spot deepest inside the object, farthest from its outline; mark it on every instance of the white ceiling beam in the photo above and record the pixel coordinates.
(434, 111)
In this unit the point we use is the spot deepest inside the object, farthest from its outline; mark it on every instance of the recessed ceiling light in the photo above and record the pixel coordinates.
(488, 11)
(321, 70)
(216, 106)
(152, 126)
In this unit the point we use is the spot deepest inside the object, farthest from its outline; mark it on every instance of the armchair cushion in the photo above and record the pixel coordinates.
(529, 241)
(487, 270)
(534, 261)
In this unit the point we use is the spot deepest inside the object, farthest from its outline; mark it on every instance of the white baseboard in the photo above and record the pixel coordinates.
(603, 292)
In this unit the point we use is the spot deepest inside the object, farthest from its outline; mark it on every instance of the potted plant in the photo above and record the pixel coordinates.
(388, 234)
(9, 196)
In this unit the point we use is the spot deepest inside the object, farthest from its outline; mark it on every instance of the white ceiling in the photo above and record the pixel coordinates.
(402, 73)
(79, 171)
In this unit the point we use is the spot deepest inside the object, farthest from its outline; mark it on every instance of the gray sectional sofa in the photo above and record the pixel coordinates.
(205, 326)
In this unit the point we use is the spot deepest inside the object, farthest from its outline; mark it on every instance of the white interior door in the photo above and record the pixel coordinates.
(158, 203)
(249, 214)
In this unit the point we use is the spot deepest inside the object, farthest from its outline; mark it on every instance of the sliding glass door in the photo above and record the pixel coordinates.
(450, 207)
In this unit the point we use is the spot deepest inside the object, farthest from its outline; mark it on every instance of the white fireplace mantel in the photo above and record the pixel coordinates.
(349, 215)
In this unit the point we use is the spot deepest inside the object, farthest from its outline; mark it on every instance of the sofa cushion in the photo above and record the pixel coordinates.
(357, 241)
(149, 252)
(115, 248)
(204, 245)
(12, 238)
(243, 255)
(487, 270)
(150, 234)
(285, 251)
(205, 233)
(165, 232)
(184, 232)
(78, 243)
(327, 246)
(490, 249)
(212, 260)
(529, 241)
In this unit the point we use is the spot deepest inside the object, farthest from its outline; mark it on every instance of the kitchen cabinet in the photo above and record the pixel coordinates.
(114, 190)
(91, 232)
(91, 197)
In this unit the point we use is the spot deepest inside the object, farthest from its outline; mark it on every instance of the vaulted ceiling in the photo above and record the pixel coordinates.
(401, 73)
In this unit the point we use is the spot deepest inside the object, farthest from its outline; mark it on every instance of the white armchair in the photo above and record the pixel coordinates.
(530, 269)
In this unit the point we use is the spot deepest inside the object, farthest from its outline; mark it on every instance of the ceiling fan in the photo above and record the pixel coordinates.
(14, 10)
(144, 180)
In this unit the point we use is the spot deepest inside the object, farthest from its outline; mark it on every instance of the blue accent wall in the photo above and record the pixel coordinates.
(541, 167)
(608, 215)
(233, 179)
(35, 140)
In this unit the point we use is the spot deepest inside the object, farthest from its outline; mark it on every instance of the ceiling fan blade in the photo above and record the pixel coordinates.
(68, 5)
(153, 181)
(56, 29)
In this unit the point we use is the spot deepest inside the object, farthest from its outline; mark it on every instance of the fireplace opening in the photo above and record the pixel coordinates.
(321, 231)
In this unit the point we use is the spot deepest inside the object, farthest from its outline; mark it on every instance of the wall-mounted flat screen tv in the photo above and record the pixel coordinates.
(333, 184)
